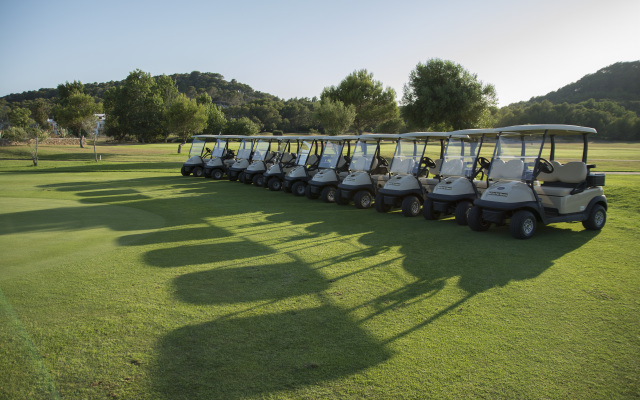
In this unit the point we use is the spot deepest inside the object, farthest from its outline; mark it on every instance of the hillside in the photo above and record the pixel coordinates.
(619, 83)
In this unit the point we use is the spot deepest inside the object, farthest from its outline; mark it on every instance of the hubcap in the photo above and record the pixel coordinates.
(415, 207)
(599, 218)
(366, 201)
(527, 226)
(331, 196)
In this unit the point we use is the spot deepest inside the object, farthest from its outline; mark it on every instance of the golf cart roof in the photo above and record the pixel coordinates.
(205, 136)
(340, 138)
(234, 137)
(378, 136)
(475, 132)
(554, 129)
(424, 135)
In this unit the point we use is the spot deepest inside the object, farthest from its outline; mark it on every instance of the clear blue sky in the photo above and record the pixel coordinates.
(296, 48)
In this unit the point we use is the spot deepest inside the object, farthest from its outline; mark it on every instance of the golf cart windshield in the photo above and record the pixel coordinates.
(303, 154)
(218, 150)
(363, 156)
(406, 158)
(515, 156)
(244, 151)
(197, 146)
(260, 150)
(460, 156)
(331, 154)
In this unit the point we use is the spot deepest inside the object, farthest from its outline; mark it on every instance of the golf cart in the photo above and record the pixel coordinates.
(285, 161)
(197, 153)
(243, 157)
(261, 159)
(221, 157)
(569, 192)
(461, 167)
(333, 168)
(306, 166)
(368, 171)
(408, 183)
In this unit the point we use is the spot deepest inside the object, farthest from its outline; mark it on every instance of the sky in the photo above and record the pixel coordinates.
(295, 48)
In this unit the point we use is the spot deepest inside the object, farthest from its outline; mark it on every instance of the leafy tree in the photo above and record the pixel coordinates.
(40, 110)
(136, 108)
(20, 117)
(168, 91)
(186, 117)
(75, 110)
(442, 95)
(373, 104)
(335, 116)
(216, 121)
(241, 126)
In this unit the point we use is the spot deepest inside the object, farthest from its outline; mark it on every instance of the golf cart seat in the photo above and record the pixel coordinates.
(287, 157)
(312, 161)
(341, 162)
(570, 179)
(452, 168)
(269, 156)
(436, 170)
(509, 170)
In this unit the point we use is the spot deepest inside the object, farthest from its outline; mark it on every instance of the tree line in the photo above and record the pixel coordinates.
(439, 96)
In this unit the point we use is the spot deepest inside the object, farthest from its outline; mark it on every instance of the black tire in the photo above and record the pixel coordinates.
(233, 176)
(258, 180)
(428, 212)
(411, 206)
(298, 188)
(310, 195)
(523, 224)
(217, 174)
(328, 194)
(198, 172)
(184, 171)
(207, 173)
(596, 219)
(379, 204)
(363, 199)
(241, 177)
(286, 186)
(274, 184)
(338, 198)
(462, 209)
(474, 220)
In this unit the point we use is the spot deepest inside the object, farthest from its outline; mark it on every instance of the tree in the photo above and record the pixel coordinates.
(168, 91)
(216, 121)
(75, 110)
(241, 126)
(442, 95)
(334, 116)
(186, 117)
(135, 108)
(20, 117)
(373, 104)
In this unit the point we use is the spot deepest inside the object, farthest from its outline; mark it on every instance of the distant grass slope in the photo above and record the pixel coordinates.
(145, 284)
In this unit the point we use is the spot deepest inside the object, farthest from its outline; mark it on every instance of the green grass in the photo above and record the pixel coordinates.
(127, 280)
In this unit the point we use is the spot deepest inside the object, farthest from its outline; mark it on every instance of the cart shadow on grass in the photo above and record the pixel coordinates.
(267, 344)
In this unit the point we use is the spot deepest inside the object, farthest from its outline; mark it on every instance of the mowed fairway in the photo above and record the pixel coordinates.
(126, 280)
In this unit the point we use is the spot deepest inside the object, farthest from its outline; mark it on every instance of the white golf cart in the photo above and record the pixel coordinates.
(333, 168)
(222, 158)
(408, 183)
(262, 158)
(461, 167)
(243, 157)
(368, 171)
(285, 161)
(197, 154)
(306, 166)
(569, 192)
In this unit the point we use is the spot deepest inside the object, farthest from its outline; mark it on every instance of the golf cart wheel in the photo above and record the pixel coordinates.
(286, 187)
(310, 195)
(274, 184)
(523, 224)
(233, 176)
(462, 209)
(328, 194)
(379, 204)
(258, 180)
(184, 171)
(428, 212)
(248, 180)
(363, 199)
(198, 172)
(298, 188)
(241, 177)
(596, 219)
(217, 174)
(338, 198)
(410, 206)
(475, 221)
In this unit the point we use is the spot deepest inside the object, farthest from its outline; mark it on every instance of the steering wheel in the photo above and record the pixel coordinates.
(383, 161)
(207, 149)
(429, 162)
(545, 166)
(484, 163)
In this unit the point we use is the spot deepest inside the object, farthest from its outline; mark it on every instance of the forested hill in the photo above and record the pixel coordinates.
(221, 91)
(619, 83)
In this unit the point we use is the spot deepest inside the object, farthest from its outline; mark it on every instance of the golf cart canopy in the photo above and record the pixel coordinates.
(551, 129)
